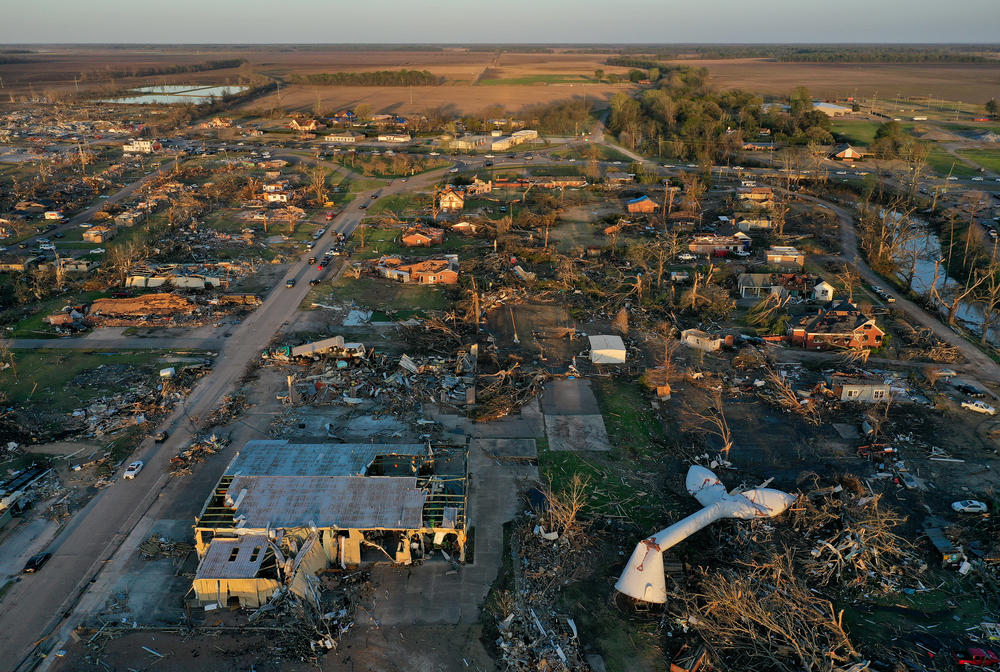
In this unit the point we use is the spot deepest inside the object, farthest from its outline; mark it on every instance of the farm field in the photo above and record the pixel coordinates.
(461, 98)
(969, 82)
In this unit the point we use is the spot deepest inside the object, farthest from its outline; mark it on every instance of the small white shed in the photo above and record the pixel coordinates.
(823, 292)
(607, 350)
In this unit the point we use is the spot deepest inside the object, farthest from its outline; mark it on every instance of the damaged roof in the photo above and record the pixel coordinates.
(238, 558)
(281, 458)
(346, 502)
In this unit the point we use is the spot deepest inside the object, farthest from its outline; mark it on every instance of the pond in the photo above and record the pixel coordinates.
(176, 93)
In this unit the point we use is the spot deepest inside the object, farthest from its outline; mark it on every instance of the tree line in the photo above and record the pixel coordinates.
(176, 69)
(371, 78)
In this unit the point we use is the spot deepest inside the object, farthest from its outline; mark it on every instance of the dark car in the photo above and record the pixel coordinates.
(58, 234)
(312, 260)
(160, 437)
(314, 282)
(969, 390)
(290, 283)
(36, 562)
(363, 206)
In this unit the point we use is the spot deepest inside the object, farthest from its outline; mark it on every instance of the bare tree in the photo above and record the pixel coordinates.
(317, 183)
(565, 505)
(713, 421)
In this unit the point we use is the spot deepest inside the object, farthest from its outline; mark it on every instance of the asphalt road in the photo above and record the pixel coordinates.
(40, 610)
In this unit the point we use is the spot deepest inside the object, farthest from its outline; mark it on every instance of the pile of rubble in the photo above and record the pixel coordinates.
(156, 547)
(531, 634)
(139, 398)
(196, 453)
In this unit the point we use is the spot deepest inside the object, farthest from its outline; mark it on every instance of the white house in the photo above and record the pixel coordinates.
(699, 340)
(823, 292)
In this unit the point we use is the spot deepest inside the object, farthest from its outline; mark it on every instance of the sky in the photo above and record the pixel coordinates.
(510, 21)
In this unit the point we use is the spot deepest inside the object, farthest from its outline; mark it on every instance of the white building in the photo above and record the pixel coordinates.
(394, 137)
(607, 350)
(138, 146)
(823, 292)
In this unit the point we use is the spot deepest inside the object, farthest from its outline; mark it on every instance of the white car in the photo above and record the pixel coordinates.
(686, 257)
(977, 179)
(979, 407)
(98, 250)
(47, 246)
(132, 470)
(953, 178)
(453, 170)
(969, 506)
(741, 253)
(842, 172)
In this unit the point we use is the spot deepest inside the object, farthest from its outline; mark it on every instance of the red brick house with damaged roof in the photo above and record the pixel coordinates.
(839, 325)
(439, 271)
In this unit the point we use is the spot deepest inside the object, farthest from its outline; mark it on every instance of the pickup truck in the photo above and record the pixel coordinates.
(976, 657)
(979, 407)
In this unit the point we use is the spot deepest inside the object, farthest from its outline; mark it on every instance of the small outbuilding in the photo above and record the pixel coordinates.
(607, 350)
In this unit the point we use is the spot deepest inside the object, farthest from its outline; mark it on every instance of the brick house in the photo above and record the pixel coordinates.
(839, 325)
(440, 271)
(422, 236)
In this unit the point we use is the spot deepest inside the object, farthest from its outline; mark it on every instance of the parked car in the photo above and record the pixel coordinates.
(979, 407)
(314, 282)
(35, 563)
(976, 657)
(453, 170)
(329, 216)
(969, 390)
(132, 470)
(969, 506)
(686, 257)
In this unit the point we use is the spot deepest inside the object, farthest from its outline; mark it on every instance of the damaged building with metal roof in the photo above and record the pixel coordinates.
(284, 512)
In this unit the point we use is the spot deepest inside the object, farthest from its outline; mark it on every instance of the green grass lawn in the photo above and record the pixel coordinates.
(401, 204)
(42, 375)
(630, 422)
(584, 152)
(855, 132)
(988, 158)
(31, 324)
(381, 241)
(384, 295)
(944, 163)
